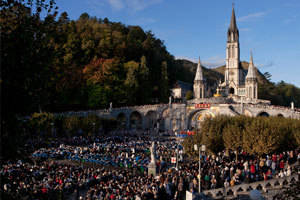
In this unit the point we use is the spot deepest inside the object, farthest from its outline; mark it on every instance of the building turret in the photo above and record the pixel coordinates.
(251, 80)
(199, 83)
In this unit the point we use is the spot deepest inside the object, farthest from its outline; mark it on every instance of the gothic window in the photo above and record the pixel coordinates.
(254, 93)
(229, 52)
(233, 53)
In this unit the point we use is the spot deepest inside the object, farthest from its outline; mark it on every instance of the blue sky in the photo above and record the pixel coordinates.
(192, 28)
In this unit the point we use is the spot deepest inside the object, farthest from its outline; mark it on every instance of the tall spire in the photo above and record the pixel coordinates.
(233, 26)
(233, 32)
(199, 73)
(251, 71)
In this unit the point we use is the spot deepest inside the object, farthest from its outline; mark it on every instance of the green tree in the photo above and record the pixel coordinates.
(189, 95)
(72, 124)
(164, 83)
(261, 137)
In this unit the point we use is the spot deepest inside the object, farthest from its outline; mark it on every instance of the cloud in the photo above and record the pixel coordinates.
(95, 5)
(251, 16)
(131, 5)
(245, 29)
(116, 4)
(267, 65)
(138, 5)
(290, 19)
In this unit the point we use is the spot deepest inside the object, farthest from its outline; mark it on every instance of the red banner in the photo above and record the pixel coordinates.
(187, 132)
(202, 105)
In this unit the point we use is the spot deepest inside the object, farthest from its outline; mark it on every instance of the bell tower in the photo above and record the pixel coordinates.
(233, 74)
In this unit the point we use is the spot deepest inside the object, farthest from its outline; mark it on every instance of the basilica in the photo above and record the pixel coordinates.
(236, 95)
(237, 85)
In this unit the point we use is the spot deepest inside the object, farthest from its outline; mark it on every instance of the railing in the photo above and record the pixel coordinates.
(260, 185)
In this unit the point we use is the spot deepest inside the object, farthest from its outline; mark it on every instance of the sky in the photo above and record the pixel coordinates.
(193, 28)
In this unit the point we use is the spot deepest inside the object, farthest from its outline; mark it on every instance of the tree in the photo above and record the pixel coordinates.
(71, 124)
(189, 95)
(164, 83)
(261, 137)
(26, 64)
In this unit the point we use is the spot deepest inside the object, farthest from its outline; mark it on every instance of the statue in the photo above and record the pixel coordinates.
(152, 150)
(152, 165)
(170, 100)
(110, 106)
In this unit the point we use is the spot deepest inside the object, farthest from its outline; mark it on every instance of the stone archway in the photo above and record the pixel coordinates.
(164, 122)
(176, 120)
(280, 115)
(196, 118)
(121, 120)
(136, 120)
(231, 90)
(263, 114)
(151, 120)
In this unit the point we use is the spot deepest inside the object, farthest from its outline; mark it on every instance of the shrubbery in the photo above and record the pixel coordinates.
(259, 135)
(69, 125)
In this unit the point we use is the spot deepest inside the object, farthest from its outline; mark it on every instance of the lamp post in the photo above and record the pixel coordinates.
(177, 149)
(52, 125)
(201, 149)
(94, 127)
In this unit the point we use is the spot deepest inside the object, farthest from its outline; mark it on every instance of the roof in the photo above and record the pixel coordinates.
(251, 71)
(199, 73)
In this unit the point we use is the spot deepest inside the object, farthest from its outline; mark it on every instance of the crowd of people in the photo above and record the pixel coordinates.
(116, 168)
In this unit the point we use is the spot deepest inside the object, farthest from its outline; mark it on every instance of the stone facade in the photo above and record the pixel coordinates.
(177, 117)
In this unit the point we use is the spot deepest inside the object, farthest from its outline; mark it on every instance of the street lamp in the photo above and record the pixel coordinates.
(202, 149)
(177, 156)
(52, 125)
(94, 127)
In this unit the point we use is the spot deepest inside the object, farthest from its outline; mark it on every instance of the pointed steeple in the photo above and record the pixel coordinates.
(251, 71)
(233, 26)
(199, 73)
(233, 30)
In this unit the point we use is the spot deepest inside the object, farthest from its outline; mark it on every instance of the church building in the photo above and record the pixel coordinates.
(236, 83)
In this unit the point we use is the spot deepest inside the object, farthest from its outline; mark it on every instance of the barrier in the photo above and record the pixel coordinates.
(260, 185)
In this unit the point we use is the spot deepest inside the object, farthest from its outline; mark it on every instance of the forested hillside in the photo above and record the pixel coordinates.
(86, 63)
